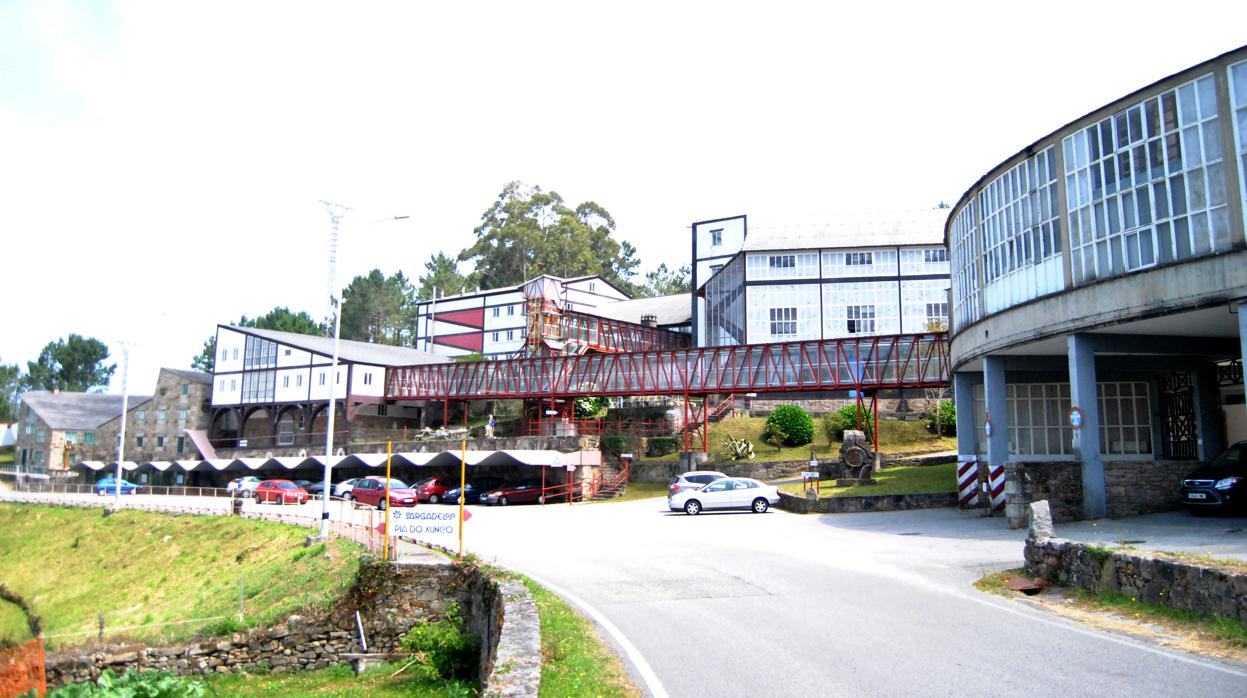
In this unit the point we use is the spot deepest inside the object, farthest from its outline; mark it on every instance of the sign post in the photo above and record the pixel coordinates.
(389, 450)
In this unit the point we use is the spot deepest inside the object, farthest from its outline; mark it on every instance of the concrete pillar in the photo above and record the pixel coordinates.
(1087, 438)
(1205, 395)
(963, 399)
(1242, 339)
(997, 410)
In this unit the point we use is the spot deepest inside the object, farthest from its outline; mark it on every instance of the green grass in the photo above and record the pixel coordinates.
(339, 681)
(142, 569)
(894, 437)
(994, 582)
(6, 456)
(912, 479)
(13, 625)
(1227, 630)
(574, 660)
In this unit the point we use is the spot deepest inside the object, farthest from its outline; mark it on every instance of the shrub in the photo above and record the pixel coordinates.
(794, 423)
(942, 418)
(738, 449)
(448, 652)
(845, 418)
(661, 445)
(588, 407)
(151, 684)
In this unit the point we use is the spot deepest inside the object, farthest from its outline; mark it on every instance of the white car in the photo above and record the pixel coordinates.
(726, 493)
(343, 489)
(243, 486)
(692, 480)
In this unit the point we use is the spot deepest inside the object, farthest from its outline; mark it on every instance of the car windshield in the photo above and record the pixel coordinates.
(394, 484)
(287, 485)
(1230, 458)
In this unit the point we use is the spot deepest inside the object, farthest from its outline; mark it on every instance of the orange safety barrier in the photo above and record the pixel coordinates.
(22, 669)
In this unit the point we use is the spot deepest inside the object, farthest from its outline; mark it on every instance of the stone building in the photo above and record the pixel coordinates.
(56, 430)
(170, 425)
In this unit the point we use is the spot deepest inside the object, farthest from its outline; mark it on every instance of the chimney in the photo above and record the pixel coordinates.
(649, 320)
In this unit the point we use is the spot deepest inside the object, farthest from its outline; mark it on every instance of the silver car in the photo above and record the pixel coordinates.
(693, 480)
(726, 493)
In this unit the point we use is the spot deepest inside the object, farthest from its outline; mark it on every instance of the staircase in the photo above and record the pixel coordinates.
(611, 479)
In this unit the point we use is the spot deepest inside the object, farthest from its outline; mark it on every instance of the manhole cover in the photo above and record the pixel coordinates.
(1030, 587)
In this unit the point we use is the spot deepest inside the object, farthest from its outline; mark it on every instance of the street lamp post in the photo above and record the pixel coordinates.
(336, 213)
(121, 438)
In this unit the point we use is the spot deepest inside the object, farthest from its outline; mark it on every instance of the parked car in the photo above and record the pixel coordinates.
(518, 493)
(303, 483)
(432, 489)
(281, 492)
(371, 491)
(693, 480)
(1219, 486)
(108, 485)
(725, 493)
(243, 486)
(475, 488)
(316, 489)
(341, 489)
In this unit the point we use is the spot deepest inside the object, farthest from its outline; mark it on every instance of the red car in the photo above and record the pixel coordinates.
(520, 493)
(433, 489)
(280, 491)
(371, 491)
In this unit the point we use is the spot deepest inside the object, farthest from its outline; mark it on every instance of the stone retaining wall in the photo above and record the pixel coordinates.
(658, 471)
(391, 600)
(1184, 585)
(851, 505)
(1133, 487)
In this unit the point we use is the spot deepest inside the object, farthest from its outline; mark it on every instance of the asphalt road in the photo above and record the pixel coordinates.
(730, 604)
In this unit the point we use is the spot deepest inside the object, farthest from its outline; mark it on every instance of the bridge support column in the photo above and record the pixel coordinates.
(1082, 390)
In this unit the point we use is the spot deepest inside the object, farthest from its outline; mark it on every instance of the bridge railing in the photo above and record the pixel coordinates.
(895, 361)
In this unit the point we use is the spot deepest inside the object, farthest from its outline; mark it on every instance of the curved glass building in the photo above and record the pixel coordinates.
(1098, 279)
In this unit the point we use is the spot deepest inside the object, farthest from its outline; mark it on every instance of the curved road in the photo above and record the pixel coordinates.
(730, 604)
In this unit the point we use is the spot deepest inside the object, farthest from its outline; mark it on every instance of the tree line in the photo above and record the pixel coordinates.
(526, 232)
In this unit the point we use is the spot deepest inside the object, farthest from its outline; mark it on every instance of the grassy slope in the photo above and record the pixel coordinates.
(575, 661)
(894, 437)
(914, 479)
(142, 568)
(334, 682)
(13, 625)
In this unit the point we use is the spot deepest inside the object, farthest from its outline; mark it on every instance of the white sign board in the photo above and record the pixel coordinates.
(427, 525)
(811, 475)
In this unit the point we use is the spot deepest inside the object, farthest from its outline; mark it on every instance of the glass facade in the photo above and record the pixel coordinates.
(1145, 186)
(725, 305)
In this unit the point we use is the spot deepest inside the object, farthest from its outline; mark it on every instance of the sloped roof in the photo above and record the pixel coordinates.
(74, 411)
(924, 227)
(669, 310)
(348, 350)
(196, 376)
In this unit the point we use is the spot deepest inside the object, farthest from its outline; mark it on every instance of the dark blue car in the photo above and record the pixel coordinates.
(109, 486)
(474, 490)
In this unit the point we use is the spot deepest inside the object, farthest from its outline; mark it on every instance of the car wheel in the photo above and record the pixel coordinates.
(382, 505)
(346, 496)
(434, 499)
(692, 507)
(760, 506)
(541, 500)
(502, 501)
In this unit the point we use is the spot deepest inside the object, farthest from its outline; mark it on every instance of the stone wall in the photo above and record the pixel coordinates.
(852, 505)
(368, 444)
(1133, 487)
(659, 471)
(1157, 580)
(390, 599)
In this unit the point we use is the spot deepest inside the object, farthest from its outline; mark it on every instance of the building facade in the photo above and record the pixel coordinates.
(56, 430)
(168, 426)
(853, 276)
(1099, 278)
(494, 322)
(271, 390)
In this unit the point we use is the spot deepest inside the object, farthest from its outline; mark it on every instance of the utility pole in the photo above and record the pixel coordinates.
(121, 434)
(336, 213)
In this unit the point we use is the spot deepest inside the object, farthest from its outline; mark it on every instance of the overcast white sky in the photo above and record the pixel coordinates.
(161, 162)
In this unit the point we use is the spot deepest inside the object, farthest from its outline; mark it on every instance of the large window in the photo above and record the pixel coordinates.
(1039, 419)
(782, 266)
(783, 321)
(857, 259)
(257, 386)
(1146, 186)
(861, 319)
(782, 261)
(937, 316)
(964, 240)
(260, 353)
(1238, 97)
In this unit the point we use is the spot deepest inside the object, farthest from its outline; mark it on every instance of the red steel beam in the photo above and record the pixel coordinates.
(859, 363)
